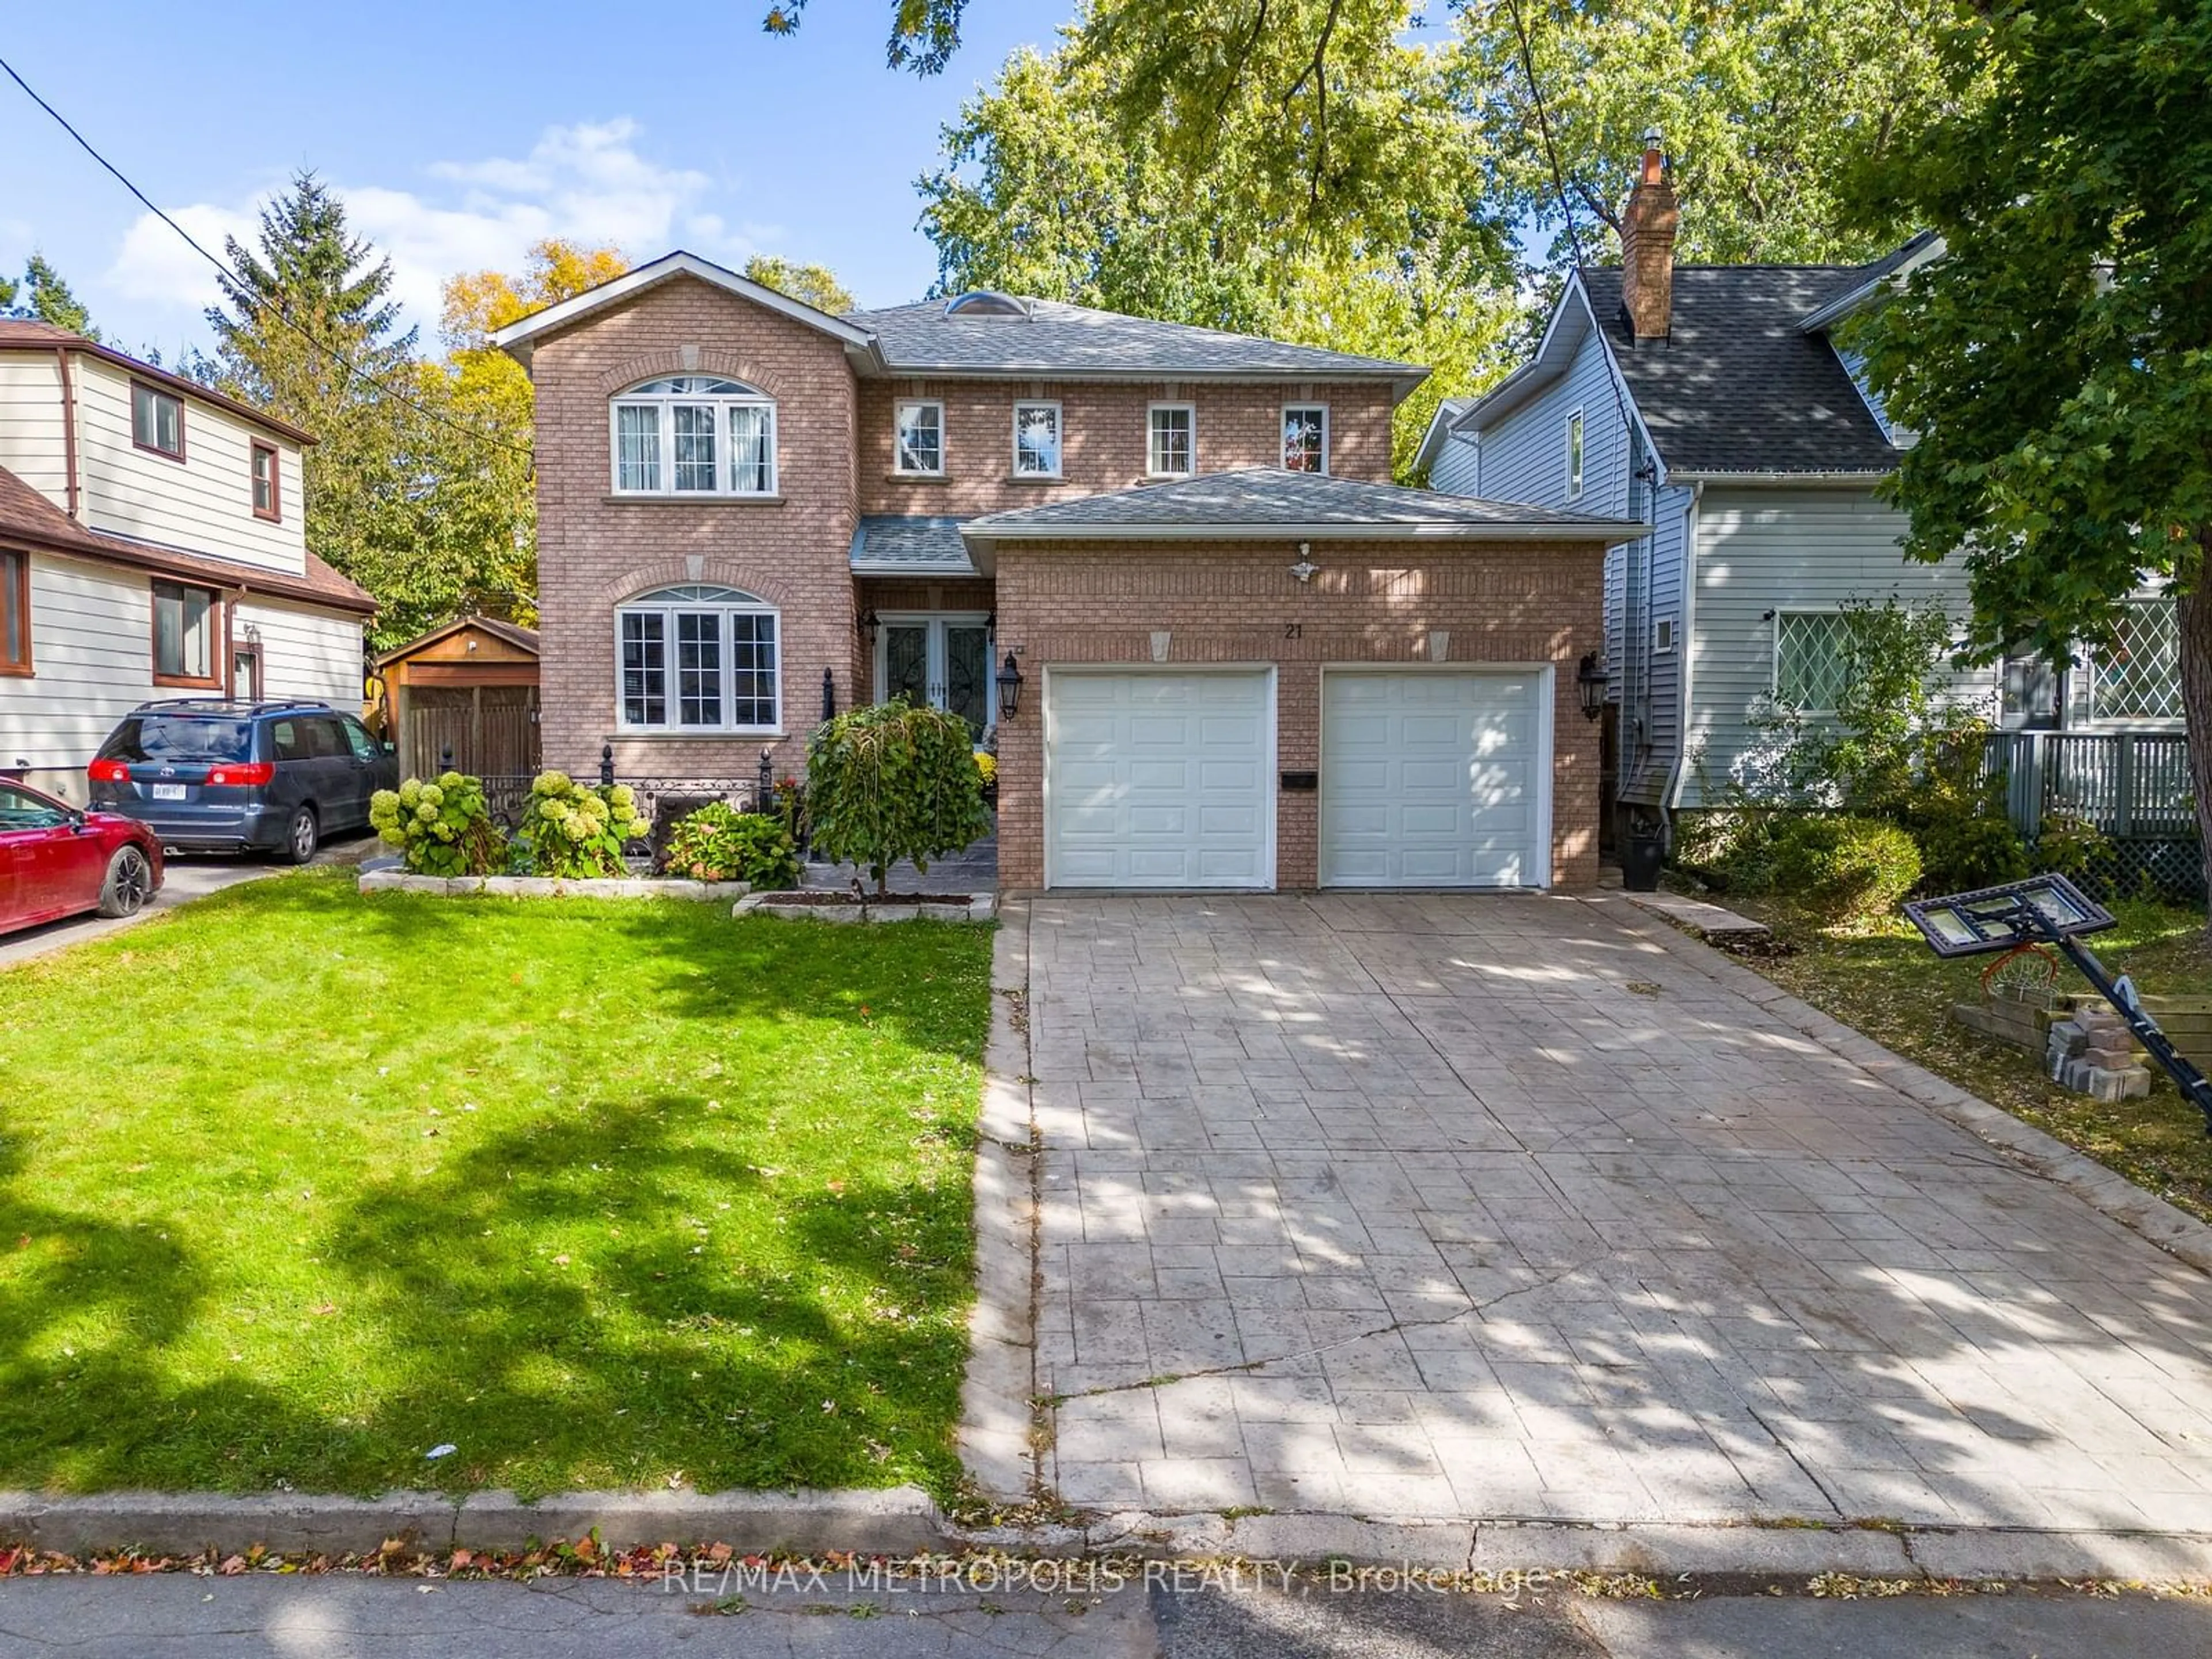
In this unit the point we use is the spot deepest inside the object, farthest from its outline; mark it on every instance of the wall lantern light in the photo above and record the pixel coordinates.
(1589, 684)
(1010, 687)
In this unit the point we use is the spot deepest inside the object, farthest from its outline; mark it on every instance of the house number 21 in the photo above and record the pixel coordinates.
(1293, 630)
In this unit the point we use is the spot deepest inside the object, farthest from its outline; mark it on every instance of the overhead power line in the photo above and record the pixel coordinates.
(241, 287)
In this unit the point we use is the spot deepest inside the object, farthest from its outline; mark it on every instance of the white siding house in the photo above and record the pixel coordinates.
(152, 544)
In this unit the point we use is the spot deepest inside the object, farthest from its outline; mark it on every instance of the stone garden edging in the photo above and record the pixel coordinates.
(982, 907)
(611, 887)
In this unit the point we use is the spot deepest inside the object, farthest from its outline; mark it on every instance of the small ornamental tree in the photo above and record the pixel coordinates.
(891, 782)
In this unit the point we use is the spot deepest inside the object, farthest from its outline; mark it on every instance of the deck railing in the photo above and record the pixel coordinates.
(2128, 785)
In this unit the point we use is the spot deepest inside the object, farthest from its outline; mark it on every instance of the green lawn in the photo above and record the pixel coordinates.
(1888, 984)
(296, 1185)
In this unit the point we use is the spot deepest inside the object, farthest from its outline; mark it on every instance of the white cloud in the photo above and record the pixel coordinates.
(590, 182)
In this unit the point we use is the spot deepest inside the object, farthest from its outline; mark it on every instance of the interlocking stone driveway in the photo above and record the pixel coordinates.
(1498, 1207)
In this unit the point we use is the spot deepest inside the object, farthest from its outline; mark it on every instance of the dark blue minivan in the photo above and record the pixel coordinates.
(210, 775)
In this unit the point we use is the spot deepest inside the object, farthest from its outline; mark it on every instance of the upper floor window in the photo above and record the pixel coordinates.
(694, 434)
(157, 420)
(1575, 456)
(698, 658)
(15, 612)
(1172, 441)
(921, 438)
(267, 503)
(1305, 437)
(1037, 441)
(185, 622)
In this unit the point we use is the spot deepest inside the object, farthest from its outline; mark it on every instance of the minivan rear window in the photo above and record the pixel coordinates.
(187, 738)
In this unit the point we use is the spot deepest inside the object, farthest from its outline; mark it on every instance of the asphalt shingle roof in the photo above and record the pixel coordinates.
(887, 545)
(1263, 498)
(1737, 388)
(1059, 338)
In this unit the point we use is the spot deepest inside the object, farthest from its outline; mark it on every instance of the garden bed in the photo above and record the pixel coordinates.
(592, 1195)
(821, 905)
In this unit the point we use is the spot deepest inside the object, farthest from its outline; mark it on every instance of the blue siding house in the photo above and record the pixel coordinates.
(1712, 403)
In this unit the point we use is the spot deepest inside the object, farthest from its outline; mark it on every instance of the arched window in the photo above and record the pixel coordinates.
(694, 434)
(697, 659)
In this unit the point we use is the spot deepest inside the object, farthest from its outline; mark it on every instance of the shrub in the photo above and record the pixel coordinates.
(1963, 850)
(1733, 849)
(2076, 849)
(891, 782)
(572, 831)
(987, 767)
(719, 843)
(787, 806)
(441, 828)
(1846, 869)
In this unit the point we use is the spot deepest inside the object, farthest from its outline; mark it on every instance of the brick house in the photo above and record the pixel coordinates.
(1247, 659)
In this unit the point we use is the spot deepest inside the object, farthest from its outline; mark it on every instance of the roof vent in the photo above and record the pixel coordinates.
(985, 302)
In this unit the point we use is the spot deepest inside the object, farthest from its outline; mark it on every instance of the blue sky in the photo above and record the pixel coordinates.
(458, 134)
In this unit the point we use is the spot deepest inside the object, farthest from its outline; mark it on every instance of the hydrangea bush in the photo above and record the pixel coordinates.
(574, 831)
(441, 828)
(719, 843)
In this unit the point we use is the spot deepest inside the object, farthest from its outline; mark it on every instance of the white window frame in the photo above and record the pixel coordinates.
(665, 405)
(1774, 673)
(898, 447)
(1059, 438)
(1662, 637)
(1575, 436)
(935, 671)
(698, 599)
(1152, 468)
(1282, 424)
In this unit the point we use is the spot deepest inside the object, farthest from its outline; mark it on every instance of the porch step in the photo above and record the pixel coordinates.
(1708, 921)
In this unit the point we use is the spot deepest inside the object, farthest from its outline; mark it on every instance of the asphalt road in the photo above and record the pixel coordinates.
(182, 1617)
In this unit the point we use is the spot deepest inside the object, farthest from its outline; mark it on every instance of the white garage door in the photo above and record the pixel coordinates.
(1158, 780)
(1434, 779)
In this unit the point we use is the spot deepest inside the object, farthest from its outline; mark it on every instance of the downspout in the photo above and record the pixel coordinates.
(1686, 656)
(68, 429)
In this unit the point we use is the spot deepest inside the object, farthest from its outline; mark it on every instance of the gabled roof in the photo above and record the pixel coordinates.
(1743, 385)
(514, 634)
(885, 544)
(1268, 501)
(1738, 386)
(1440, 425)
(1048, 338)
(1025, 338)
(517, 336)
(28, 520)
(25, 334)
(1869, 281)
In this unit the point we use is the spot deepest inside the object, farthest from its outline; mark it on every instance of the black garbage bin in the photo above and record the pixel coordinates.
(1643, 851)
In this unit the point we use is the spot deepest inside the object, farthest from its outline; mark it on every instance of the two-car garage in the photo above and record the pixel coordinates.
(1170, 778)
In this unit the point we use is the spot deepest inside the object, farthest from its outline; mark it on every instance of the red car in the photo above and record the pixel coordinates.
(56, 861)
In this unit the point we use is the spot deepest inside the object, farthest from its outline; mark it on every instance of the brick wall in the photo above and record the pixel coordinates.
(594, 552)
(1370, 603)
(1104, 434)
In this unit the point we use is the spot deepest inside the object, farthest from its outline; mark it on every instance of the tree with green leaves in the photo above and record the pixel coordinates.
(815, 285)
(410, 488)
(1038, 194)
(2057, 359)
(46, 298)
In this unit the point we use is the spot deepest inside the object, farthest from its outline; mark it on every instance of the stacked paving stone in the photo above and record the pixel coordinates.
(2094, 1053)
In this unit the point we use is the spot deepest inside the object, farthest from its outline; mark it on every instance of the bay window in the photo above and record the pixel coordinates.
(694, 434)
(697, 659)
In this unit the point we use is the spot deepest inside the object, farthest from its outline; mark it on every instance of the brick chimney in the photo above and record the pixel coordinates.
(1648, 222)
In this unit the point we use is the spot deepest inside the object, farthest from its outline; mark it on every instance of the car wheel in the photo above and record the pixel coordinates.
(300, 839)
(129, 884)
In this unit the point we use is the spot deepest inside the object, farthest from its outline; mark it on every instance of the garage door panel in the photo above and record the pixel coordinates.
(1177, 765)
(1431, 779)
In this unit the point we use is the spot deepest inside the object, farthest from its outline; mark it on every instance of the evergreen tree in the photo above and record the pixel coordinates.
(46, 299)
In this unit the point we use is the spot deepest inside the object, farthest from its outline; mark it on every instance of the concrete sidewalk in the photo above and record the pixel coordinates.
(1479, 1208)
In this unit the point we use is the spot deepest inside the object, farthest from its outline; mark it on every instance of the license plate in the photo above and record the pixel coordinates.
(168, 792)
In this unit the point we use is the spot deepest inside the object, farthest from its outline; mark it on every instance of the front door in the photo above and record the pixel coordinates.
(940, 662)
